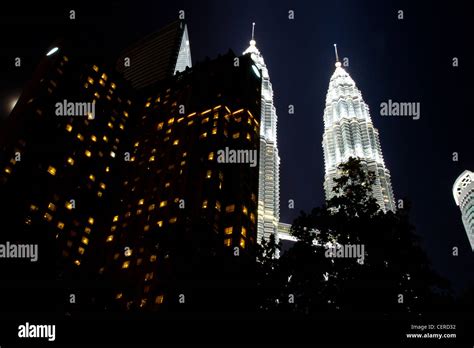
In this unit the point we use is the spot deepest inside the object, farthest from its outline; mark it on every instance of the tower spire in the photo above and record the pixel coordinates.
(338, 63)
(253, 30)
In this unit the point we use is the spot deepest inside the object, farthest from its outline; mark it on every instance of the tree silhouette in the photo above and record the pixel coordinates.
(394, 276)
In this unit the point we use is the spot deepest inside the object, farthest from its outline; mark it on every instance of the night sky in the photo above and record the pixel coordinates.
(407, 60)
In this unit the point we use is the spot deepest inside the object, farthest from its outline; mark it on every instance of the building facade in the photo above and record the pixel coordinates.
(157, 56)
(349, 132)
(463, 193)
(269, 167)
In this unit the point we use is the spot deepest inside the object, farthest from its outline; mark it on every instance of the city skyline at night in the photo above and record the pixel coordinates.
(209, 161)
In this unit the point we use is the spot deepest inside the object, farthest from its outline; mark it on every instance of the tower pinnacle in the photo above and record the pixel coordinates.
(253, 42)
(338, 63)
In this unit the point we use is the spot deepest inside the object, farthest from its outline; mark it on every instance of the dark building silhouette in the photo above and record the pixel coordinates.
(58, 165)
(127, 200)
(157, 56)
(187, 224)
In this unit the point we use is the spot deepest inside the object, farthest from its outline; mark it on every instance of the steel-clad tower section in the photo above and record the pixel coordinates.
(269, 166)
(349, 132)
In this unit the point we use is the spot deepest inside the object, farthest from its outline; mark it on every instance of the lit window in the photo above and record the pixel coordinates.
(81, 250)
(152, 258)
(242, 243)
(160, 223)
(183, 163)
(80, 137)
(110, 238)
(60, 225)
(208, 174)
(115, 219)
(152, 159)
(94, 138)
(205, 120)
(33, 207)
(141, 201)
(147, 105)
(102, 82)
(176, 142)
(252, 217)
(190, 122)
(51, 207)
(52, 170)
(113, 85)
(110, 125)
(146, 228)
(105, 138)
(77, 262)
(171, 121)
(204, 204)
(126, 264)
(85, 240)
(159, 299)
(173, 220)
(102, 186)
(91, 220)
(91, 177)
(8, 170)
(211, 156)
(228, 230)
(121, 126)
(70, 160)
(95, 67)
(69, 205)
(228, 242)
(236, 135)
(244, 231)
(230, 208)
(112, 154)
(104, 76)
(203, 135)
(167, 184)
(69, 127)
(90, 80)
(214, 130)
(48, 217)
(244, 210)
(88, 153)
(107, 169)
(87, 230)
(151, 207)
(218, 206)
(163, 204)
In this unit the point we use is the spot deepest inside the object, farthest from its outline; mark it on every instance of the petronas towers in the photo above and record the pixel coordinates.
(349, 132)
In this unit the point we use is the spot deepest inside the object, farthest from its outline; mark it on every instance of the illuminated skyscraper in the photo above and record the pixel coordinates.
(349, 132)
(269, 166)
(185, 214)
(463, 192)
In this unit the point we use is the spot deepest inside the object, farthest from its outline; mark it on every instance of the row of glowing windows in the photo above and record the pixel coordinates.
(158, 299)
(93, 137)
(52, 207)
(228, 242)
(52, 170)
(160, 223)
(230, 230)
(205, 120)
